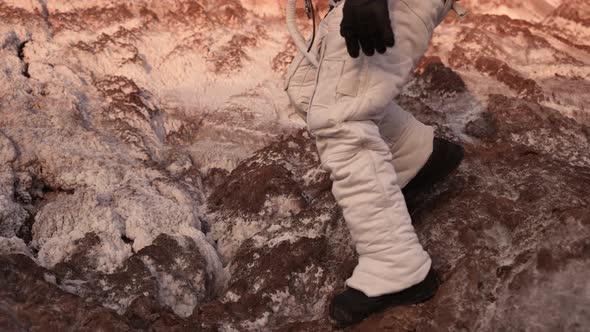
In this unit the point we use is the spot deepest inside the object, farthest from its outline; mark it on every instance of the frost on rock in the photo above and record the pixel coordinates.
(192, 277)
(266, 190)
(174, 272)
(12, 214)
(61, 224)
(87, 180)
(13, 245)
(278, 270)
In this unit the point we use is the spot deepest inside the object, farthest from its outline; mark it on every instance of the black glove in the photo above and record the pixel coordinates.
(366, 22)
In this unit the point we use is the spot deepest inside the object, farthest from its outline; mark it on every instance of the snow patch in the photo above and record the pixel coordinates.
(13, 245)
(258, 324)
(172, 292)
(281, 206)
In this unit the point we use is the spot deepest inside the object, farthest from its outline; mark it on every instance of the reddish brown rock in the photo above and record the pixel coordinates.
(30, 303)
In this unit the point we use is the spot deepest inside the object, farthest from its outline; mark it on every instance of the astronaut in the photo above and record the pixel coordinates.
(374, 150)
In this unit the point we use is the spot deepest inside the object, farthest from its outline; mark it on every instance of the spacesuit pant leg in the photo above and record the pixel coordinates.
(350, 99)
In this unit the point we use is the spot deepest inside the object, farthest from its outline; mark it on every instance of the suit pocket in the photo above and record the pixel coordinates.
(337, 80)
(328, 82)
(300, 82)
(351, 77)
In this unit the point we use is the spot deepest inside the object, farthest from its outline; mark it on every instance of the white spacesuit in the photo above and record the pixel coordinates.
(371, 147)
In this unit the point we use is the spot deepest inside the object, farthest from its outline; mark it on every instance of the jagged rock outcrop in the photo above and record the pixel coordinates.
(507, 231)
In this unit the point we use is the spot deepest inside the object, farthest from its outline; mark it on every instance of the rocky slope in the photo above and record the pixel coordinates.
(153, 176)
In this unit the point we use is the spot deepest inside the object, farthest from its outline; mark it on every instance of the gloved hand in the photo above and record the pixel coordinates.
(366, 22)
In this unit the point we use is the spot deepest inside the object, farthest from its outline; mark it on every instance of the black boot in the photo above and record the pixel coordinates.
(352, 306)
(445, 158)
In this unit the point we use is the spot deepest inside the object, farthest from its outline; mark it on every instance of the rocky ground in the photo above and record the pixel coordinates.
(153, 176)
